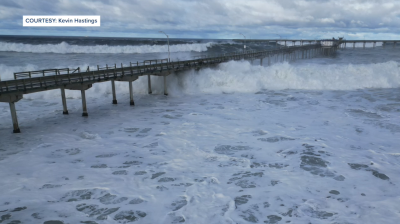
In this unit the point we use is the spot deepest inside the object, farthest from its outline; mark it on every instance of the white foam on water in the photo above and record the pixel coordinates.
(7, 72)
(65, 48)
(204, 158)
(294, 152)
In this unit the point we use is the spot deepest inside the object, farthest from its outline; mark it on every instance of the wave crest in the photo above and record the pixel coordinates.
(65, 48)
(241, 76)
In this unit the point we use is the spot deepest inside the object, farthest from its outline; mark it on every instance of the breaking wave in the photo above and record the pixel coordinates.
(65, 48)
(242, 77)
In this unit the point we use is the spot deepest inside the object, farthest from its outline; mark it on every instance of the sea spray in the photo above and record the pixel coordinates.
(242, 77)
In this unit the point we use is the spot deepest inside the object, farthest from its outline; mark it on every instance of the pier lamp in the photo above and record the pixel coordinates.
(279, 38)
(168, 45)
(244, 42)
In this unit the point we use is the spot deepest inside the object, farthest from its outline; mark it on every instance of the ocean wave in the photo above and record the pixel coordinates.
(7, 72)
(65, 48)
(242, 77)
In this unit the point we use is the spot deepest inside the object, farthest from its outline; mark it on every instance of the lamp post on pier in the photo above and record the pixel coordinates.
(244, 42)
(279, 38)
(168, 45)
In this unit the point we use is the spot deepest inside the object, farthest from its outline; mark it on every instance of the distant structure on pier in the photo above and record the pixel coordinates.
(328, 43)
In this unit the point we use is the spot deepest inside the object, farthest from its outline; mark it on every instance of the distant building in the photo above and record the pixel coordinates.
(331, 42)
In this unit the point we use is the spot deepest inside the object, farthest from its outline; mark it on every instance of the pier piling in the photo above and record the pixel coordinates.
(14, 118)
(64, 101)
(269, 60)
(149, 83)
(113, 92)
(84, 109)
(165, 86)
(132, 103)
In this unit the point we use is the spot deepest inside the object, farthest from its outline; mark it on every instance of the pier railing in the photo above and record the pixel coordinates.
(12, 91)
(42, 80)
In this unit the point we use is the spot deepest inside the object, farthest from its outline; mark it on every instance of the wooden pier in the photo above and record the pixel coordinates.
(12, 91)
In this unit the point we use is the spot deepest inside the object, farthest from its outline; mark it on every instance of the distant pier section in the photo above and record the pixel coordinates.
(81, 79)
(342, 43)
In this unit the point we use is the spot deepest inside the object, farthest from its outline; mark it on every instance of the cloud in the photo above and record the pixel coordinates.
(10, 4)
(327, 20)
(216, 18)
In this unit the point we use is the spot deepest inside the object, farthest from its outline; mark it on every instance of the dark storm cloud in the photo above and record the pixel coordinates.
(222, 18)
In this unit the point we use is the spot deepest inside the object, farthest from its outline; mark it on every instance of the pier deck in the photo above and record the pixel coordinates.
(12, 91)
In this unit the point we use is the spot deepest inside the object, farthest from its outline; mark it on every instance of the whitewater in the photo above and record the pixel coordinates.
(65, 48)
(310, 141)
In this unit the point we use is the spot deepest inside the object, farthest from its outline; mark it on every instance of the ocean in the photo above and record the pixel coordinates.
(307, 141)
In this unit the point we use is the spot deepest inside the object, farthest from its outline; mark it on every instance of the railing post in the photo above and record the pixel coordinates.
(130, 68)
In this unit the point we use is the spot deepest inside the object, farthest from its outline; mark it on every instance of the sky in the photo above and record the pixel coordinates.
(214, 19)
